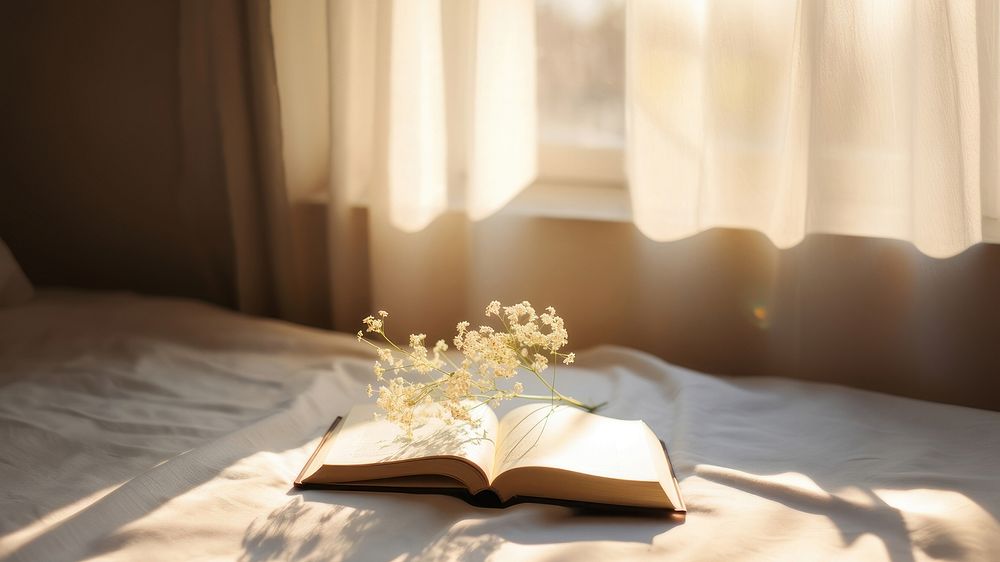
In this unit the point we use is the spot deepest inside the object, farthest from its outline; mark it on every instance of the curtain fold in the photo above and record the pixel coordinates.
(859, 118)
(415, 154)
(455, 122)
(504, 148)
(217, 144)
(235, 146)
(432, 108)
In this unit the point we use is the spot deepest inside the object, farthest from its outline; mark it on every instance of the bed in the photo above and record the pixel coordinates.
(138, 428)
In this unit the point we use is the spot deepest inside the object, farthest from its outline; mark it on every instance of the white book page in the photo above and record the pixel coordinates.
(366, 440)
(571, 439)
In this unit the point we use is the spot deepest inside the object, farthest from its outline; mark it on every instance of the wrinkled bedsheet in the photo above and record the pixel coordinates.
(137, 428)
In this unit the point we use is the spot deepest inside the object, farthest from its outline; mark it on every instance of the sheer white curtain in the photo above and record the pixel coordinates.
(866, 118)
(401, 110)
(451, 85)
(869, 118)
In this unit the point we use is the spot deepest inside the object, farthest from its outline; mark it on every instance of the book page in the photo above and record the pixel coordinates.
(363, 439)
(566, 438)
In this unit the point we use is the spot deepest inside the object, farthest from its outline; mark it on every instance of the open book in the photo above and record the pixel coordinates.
(537, 453)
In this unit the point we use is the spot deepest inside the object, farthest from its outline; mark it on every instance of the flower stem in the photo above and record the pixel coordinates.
(562, 398)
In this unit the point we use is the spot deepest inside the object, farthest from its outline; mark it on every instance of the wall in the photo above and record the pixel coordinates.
(91, 168)
(869, 313)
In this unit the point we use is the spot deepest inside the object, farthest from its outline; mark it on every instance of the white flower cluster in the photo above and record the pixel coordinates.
(527, 341)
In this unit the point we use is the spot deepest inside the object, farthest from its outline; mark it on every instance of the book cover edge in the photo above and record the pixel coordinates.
(298, 483)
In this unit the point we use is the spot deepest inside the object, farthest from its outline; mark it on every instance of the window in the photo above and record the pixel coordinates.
(581, 91)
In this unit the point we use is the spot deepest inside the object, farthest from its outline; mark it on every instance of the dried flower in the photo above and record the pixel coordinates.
(489, 357)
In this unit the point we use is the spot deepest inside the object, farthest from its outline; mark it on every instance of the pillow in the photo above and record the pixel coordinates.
(14, 286)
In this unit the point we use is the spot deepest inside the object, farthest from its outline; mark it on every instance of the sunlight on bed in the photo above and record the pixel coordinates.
(932, 518)
(13, 541)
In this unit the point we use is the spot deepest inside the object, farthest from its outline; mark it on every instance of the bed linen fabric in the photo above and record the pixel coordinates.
(136, 428)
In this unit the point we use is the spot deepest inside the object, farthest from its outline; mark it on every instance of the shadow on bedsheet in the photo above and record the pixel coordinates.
(852, 518)
(857, 451)
(321, 525)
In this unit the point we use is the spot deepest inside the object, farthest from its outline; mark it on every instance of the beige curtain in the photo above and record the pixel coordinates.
(234, 147)
(866, 118)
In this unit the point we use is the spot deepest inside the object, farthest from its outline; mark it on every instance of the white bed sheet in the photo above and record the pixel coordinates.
(158, 429)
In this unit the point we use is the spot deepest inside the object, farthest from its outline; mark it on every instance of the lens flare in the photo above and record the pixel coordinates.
(761, 316)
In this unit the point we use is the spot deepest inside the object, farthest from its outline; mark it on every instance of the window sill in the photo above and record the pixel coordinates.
(608, 202)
